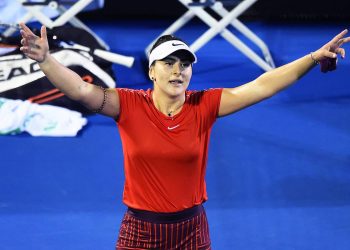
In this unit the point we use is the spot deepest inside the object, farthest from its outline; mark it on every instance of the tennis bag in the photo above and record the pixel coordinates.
(21, 77)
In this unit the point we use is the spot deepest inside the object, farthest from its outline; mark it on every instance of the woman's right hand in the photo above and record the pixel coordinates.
(34, 47)
(327, 54)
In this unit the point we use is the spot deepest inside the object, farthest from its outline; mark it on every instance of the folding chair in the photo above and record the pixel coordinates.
(66, 10)
(219, 27)
(35, 9)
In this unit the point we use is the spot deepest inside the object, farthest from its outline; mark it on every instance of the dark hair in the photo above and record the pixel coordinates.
(164, 39)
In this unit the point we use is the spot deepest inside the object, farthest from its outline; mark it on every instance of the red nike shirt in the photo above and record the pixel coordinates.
(165, 157)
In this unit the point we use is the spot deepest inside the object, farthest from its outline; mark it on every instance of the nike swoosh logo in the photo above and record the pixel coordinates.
(174, 127)
(176, 44)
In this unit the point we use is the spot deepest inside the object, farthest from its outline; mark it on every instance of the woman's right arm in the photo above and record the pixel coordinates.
(66, 80)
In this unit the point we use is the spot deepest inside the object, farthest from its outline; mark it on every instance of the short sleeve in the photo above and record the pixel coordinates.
(207, 104)
(128, 100)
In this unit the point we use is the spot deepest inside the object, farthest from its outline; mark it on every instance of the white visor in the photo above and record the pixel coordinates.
(167, 48)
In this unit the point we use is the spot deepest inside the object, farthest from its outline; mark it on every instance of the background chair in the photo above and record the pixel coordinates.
(65, 11)
(219, 27)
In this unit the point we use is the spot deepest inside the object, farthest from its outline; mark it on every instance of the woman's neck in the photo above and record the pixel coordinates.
(167, 105)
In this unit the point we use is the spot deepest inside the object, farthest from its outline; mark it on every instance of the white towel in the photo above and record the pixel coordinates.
(17, 116)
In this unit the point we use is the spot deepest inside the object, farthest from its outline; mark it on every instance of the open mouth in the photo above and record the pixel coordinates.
(176, 82)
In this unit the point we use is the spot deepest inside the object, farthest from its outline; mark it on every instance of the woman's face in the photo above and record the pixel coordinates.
(171, 75)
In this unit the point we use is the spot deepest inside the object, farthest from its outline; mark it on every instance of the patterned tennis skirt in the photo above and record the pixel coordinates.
(187, 229)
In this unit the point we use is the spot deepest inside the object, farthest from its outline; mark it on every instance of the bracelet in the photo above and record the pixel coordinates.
(103, 102)
(313, 59)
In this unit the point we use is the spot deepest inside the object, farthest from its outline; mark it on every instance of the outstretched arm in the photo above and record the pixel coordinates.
(66, 80)
(270, 83)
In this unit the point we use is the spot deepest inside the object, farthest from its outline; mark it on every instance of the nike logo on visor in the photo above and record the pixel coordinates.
(176, 44)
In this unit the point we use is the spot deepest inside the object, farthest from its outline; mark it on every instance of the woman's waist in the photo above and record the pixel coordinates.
(160, 217)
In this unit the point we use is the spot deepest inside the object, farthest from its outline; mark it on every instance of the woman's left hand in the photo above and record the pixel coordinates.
(327, 54)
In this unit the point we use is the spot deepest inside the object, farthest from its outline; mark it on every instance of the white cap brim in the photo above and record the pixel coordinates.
(167, 48)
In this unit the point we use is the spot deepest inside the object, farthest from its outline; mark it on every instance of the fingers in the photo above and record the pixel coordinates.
(32, 53)
(342, 41)
(26, 30)
(30, 42)
(26, 50)
(341, 51)
(28, 37)
(339, 36)
(24, 34)
(27, 33)
(338, 40)
(43, 33)
(330, 54)
(33, 46)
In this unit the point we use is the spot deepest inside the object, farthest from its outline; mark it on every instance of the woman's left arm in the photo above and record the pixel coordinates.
(271, 82)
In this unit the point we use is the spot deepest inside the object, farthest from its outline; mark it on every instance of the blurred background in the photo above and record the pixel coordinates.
(278, 174)
(271, 10)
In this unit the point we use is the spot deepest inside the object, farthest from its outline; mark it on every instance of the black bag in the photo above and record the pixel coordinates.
(21, 77)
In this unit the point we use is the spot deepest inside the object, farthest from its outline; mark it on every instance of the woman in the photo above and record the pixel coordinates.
(165, 134)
